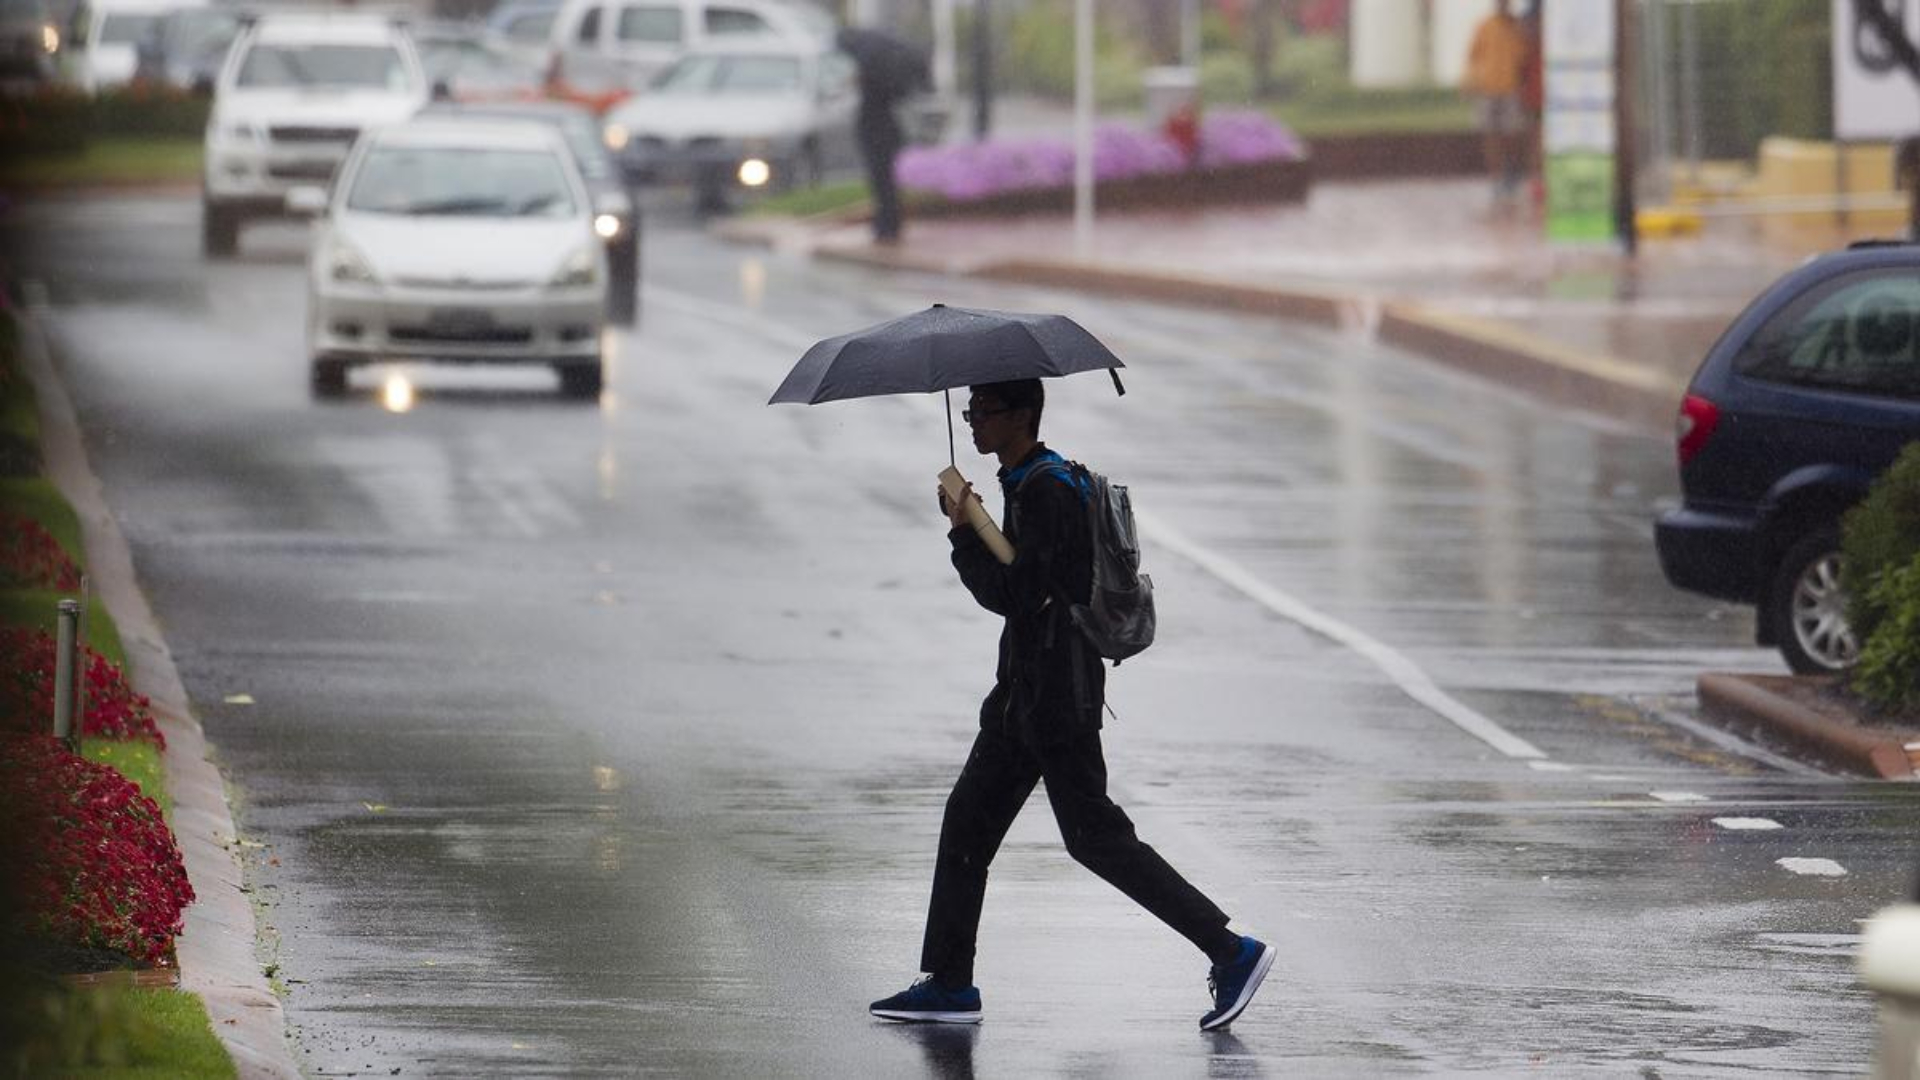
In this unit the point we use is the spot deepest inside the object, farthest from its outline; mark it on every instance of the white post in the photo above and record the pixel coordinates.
(66, 673)
(944, 76)
(1082, 126)
(1190, 35)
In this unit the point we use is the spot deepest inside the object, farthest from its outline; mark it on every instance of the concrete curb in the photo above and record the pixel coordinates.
(1483, 347)
(216, 949)
(1744, 702)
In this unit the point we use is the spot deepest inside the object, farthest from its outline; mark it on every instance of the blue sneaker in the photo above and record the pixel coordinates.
(927, 1002)
(1232, 985)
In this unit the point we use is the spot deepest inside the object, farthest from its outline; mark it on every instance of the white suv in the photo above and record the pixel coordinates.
(295, 91)
(637, 39)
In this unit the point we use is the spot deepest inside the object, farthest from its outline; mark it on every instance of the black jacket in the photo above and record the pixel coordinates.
(1050, 684)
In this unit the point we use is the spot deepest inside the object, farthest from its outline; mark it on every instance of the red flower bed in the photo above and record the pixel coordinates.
(113, 710)
(30, 558)
(95, 865)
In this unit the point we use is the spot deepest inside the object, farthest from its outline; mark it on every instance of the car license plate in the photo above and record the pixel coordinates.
(447, 319)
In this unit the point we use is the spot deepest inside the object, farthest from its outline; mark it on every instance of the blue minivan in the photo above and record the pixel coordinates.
(1809, 395)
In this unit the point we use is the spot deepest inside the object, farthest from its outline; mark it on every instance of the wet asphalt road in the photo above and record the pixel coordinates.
(612, 740)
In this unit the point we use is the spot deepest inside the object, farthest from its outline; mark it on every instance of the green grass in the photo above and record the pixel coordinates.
(37, 499)
(19, 413)
(39, 607)
(138, 761)
(117, 1033)
(807, 202)
(108, 161)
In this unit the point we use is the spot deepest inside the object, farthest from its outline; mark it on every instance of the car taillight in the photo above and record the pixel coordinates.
(1698, 417)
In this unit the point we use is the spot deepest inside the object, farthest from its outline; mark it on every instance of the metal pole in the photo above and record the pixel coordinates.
(1190, 34)
(1660, 91)
(943, 60)
(1082, 126)
(1690, 87)
(1623, 130)
(65, 662)
(982, 69)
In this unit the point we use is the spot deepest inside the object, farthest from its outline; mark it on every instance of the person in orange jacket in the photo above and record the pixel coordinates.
(1496, 67)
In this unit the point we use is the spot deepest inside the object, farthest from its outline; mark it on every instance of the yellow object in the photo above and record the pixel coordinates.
(1666, 221)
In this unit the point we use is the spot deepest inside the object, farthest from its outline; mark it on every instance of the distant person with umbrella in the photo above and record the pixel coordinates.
(890, 70)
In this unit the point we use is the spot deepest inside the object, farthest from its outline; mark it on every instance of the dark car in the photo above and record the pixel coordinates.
(29, 39)
(616, 217)
(1801, 404)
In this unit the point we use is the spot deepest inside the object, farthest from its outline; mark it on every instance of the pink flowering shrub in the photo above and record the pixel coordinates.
(94, 864)
(113, 710)
(966, 171)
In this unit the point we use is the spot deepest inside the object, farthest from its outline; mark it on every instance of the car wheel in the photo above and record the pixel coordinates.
(219, 231)
(329, 376)
(623, 285)
(581, 380)
(1809, 609)
(807, 170)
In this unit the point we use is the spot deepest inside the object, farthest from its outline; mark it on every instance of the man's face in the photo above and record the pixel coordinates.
(994, 425)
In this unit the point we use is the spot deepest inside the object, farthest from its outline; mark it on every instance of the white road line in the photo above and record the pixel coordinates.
(1677, 796)
(1747, 823)
(1814, 867)
(1404, 672)
(1551, 766)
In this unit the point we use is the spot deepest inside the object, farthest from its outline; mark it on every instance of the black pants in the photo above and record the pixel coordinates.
(879, 146)
(999, 775)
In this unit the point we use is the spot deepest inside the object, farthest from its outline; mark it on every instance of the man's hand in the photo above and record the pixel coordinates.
(956, 510)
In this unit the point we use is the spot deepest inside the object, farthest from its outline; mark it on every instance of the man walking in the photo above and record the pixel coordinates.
(890, 70)
(1041, 721)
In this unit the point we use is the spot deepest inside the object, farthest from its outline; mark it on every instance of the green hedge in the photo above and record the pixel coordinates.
(1880, 570)
(61, 120)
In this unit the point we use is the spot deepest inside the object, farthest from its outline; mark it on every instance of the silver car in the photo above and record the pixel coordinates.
(456, 240)
(743, 117)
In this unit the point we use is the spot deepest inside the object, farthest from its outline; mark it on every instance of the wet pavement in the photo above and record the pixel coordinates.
(611, 740)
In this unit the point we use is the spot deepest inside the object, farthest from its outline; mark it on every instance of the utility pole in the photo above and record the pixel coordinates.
(982, 69)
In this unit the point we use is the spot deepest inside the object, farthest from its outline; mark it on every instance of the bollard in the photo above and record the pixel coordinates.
(1890, 967)
(66, 680)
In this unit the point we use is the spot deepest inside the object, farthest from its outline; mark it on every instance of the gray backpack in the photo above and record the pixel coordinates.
(1118, 621)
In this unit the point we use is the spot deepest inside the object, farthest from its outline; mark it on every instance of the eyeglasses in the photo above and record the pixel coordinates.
(970, 415)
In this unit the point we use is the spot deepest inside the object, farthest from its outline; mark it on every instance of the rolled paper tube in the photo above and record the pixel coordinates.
(953, 483)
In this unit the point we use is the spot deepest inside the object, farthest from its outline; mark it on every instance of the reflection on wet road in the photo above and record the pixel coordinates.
(604, 740)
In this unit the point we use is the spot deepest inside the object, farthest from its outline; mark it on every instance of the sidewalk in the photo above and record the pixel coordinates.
(1427, 265)
(1432, 267)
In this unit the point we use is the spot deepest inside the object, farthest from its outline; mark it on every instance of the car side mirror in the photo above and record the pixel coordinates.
(307, 201)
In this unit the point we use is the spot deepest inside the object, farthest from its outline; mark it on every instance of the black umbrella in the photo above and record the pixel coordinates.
(890, 68)
(941, 348)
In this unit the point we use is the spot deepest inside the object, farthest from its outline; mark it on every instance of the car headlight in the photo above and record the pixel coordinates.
(345, 263)
(581, 268)
(50, 38)
(606, 226)
(244, 131)
(755, 172)
(616, 137)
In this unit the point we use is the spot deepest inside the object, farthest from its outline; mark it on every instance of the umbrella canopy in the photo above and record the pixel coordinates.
(890, 68)
(941, 348)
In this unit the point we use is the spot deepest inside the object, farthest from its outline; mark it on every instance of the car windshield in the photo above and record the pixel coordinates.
(462, 182)
(20, 10)
(192, 33)
(371, 67)
(126, 28)
(710, 75)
